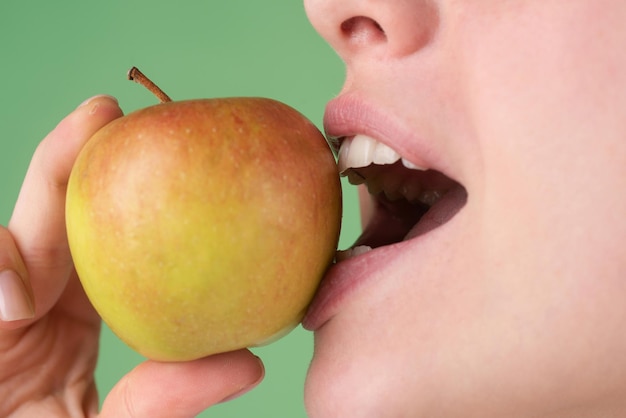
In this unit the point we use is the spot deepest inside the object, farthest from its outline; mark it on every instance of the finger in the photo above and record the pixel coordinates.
(38, 221)
(183, 390)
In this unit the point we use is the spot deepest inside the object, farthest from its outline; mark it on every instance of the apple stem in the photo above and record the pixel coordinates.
(137, 76)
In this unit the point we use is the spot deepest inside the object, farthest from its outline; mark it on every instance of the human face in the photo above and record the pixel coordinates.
(507, 298)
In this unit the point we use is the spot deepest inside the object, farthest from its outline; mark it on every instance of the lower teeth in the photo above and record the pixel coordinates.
(352, 252)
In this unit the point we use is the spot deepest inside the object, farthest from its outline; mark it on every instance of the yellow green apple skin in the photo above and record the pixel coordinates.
(203, 226)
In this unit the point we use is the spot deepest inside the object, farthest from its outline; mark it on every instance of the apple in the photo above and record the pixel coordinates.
(203, 226)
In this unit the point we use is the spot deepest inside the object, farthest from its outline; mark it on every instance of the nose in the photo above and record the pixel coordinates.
(387, 28)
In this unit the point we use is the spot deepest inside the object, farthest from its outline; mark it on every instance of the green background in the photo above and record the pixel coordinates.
(55, 54)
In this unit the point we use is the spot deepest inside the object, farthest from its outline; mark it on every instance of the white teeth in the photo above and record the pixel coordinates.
(362, 150)
(361, 249)
(344, 154)
(356, 152)
(361, 159)
(352, 252)
(384, 155)
(412, 166)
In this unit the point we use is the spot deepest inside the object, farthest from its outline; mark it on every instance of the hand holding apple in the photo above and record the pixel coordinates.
(203, 226)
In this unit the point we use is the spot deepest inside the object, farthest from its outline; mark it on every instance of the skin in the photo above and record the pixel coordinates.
(518, 309)
(516, 305)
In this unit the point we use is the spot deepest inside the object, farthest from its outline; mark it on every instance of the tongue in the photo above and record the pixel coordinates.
(389, 223)
(440, 213)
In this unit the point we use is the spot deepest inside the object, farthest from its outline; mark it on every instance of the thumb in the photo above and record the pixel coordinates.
(182, 390)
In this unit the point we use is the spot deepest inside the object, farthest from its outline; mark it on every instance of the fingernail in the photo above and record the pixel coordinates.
(99, 96)
(15, 301)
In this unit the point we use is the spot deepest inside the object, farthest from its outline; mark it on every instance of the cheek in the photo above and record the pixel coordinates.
(549, 118)
(540, 78)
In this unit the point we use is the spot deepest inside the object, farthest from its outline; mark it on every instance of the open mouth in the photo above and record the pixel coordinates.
(409, 200)
(413, 195)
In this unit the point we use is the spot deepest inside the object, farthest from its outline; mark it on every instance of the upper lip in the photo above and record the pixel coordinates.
(349, 115)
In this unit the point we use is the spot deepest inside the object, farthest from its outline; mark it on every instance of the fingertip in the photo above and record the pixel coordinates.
(59, 149)
(256, 377)
(253, 372)
(92, 114)
(107, 106)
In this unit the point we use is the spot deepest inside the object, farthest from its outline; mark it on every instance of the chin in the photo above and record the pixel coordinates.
(341, 384)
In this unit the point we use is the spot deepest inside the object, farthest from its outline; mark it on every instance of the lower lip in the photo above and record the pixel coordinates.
(341, 280)
(344, 278)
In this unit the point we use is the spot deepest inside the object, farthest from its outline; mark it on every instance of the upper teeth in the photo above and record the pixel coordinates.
(361, 159)
(361, 151)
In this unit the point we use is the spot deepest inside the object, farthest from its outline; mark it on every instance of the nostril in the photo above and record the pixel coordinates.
(362, 30)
